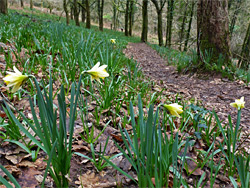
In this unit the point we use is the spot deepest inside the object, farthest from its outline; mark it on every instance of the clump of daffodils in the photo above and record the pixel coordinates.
(174, 109)
(98, 72)
(112, 41)
(239, 103)
(15, 79)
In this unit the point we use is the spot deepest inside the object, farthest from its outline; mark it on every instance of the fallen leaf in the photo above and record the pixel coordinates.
(27, 178)
(15, 159)
(26, 164)
(88, 180)
(40, 164)
(13, 170)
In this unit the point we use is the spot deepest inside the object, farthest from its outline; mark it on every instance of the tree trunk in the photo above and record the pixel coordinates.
(127, 17)
(169, 22)
(100, 5)
(4, 6)
(66, 11)
(21, 1)
(245, 52)
(71, 12)
(144, 34)
(159, 30)
(114, 15)
(183, 25)
(189, 26)
(88, 22)
(213, 30)
(76, 13)
(131, 14)
(236, 12)
(50, 8)
(159, 8)
(31, 4)
(83, 12)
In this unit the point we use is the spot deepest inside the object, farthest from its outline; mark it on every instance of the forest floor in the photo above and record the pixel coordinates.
(210, 90)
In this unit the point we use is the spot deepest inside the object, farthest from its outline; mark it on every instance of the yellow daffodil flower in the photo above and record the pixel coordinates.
(15, 79)
(239, 103)
(174, 109)
(112, 41)
(98, 72)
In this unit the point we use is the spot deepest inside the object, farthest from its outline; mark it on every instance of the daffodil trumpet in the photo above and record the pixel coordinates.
(15, 79)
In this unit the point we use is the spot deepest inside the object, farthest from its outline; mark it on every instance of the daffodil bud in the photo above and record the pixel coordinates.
(174, 109)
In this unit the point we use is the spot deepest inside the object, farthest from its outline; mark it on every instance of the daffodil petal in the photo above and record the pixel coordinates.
(16, 87)
(103, 74)
(10, 84)
(102, 67)
(16, 71)
(11, 73)
(11, 78)
(98, 80)
(234, 105)
(175, 113)
(96, 66)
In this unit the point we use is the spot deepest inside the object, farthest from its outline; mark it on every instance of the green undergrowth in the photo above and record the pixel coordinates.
(188, 62)
(158, 145)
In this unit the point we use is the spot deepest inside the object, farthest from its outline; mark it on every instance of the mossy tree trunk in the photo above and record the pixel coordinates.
(245, 52)
(76, 12)
(131, 15)
(189, 25)
(21, 1)
(159, 6)
(66, 11)
(100, 5)
(71, 11)
(159, 27)
(213, 30)
(183, 24)
(114, 15)
(144, 34)
(230, 3)
(127, 17)
(31, 4)
(88, 22)
(4, 6)
(83, 11)
(169, 22)
(234, 18)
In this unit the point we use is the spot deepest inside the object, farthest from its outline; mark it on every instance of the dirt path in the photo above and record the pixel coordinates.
(213, 92)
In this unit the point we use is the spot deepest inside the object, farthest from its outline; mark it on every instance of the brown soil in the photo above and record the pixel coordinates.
(212, 91)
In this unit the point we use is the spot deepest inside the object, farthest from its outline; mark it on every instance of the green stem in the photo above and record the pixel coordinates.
(236, 129)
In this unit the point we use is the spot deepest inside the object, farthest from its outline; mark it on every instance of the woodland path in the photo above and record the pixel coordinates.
(213, 92)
